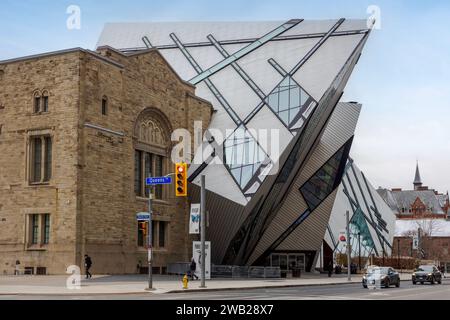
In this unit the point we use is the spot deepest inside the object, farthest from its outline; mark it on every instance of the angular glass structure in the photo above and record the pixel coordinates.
(242, 156)
(285, 77)
(289, 101)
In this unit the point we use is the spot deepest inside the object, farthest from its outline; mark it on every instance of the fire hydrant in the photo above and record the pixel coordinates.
(185, 281)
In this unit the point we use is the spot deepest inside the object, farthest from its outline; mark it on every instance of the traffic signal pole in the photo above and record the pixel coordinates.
(150, 241)
(347, 219)
(203, 230)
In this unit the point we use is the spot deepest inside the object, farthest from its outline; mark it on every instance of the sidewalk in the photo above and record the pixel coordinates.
(132, 284)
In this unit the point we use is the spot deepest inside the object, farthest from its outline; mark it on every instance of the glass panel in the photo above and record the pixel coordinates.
(37, 104)
(104, 106)
(275, 260)
(243, 156)
(283, 262)
(321, 184)
(45, 104)
(36, 159)
(162, 234)
(48, 159)
(154, 228)
(34, 228)
(142, 233)
(137, 173)
(159, 173)
(147, 170)
(46, 228)
(287, 100)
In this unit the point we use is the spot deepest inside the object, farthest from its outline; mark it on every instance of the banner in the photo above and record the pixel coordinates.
(196, 253)
(194, 220)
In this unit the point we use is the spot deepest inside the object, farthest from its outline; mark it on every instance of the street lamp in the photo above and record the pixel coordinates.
(398, 252)
(359, 249)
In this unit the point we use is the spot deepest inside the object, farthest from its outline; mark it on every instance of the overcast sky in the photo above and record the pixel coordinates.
(402, 80)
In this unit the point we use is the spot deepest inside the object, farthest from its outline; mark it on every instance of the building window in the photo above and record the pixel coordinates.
(324, 181)
(34, 228)
(159, 234)
(162, 234)
(46, 229)
(37, 103)
(142, 233)
(104, 106)
(39, 229)
(40, 159)
(151, 152)
(41, 102)
(45, 102)
(144, 163)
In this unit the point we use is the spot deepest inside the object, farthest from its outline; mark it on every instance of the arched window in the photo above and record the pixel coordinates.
(45, 95)
(104, 105)
(37, 102)
(152, 145)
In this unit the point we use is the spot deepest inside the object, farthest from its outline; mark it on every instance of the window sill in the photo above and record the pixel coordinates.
(41, 113)
(39, 184)
(154, 201)
(37, 247)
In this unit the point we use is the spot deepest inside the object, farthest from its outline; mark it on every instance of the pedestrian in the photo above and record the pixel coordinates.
(17, 269)
(193, 269)
(87, 265)
(330, 269)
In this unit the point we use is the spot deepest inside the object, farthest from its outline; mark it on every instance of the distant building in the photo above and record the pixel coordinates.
(420, 203)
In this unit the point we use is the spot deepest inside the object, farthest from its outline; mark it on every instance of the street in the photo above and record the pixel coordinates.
(407, 291)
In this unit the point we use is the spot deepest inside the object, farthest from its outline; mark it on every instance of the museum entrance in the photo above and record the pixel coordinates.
(288, 261)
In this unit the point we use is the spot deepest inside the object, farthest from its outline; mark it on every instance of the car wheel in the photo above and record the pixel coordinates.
(387, 284)
(364, 286)
(432, 280)
(414, 282)
(421, 282)
(440, 281)
(397, 285)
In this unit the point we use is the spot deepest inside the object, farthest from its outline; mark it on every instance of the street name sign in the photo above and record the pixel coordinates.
(143, 216)
(152, 181)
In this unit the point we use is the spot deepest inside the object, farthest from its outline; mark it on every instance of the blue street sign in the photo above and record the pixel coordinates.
(158, 180)
(143, 216)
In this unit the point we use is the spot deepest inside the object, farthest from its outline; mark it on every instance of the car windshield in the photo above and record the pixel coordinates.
(377, 271)
(425, 269)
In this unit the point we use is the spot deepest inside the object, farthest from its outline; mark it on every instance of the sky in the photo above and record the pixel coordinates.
(402, 79)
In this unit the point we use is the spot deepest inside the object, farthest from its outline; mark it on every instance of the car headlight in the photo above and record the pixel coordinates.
(430, 274)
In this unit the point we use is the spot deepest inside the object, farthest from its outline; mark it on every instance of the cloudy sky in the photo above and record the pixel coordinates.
(403, 78)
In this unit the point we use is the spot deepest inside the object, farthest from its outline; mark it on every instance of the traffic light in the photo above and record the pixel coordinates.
(181, 179)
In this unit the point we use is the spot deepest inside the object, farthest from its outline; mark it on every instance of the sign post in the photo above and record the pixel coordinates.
(152, 181)
(194, 220)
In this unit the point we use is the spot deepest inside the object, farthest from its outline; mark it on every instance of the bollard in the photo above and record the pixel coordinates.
(185, 281)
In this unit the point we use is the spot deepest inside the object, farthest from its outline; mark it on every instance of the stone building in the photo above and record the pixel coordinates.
(79, 132)
(419, 203)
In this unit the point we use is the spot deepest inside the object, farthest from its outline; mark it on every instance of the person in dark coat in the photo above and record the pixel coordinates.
(87, 265)
(330, 269)
(193, 269)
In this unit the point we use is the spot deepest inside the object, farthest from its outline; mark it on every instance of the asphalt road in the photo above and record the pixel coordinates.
(407, 291)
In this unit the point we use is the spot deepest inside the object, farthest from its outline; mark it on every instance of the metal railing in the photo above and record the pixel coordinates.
(245, 272)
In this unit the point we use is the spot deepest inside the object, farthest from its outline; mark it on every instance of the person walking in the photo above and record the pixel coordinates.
(17, 269)
(330, 269)
(87, 265)
(193, 269)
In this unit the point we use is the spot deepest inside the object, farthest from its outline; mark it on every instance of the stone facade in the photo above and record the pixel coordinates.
(90, 196)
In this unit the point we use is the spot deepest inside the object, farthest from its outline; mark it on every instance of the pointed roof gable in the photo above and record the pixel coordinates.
(417, 178)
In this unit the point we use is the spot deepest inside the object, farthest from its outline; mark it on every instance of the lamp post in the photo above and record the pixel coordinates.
(359, 250)
(398, 253)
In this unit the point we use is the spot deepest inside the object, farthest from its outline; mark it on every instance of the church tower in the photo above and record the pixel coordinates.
(417, 180)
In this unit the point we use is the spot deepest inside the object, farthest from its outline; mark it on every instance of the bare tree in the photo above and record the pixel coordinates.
(428, 227)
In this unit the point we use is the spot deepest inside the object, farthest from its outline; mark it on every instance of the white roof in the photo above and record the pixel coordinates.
(438, 227)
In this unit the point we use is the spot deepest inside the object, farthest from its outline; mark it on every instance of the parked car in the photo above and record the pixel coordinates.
(385, 276)
(427, 273)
